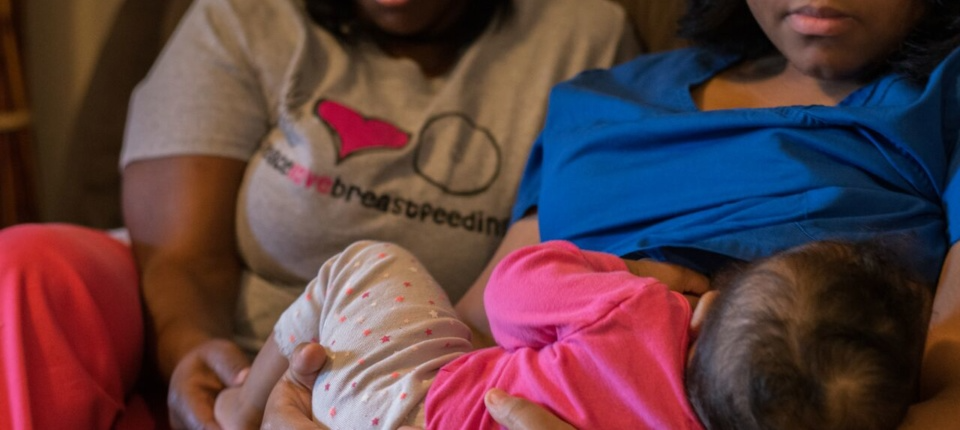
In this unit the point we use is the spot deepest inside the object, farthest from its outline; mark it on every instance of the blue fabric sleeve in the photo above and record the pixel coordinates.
(951, 194)
(528, 195)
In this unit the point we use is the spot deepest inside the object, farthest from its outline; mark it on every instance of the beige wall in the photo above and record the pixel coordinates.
(62, 42)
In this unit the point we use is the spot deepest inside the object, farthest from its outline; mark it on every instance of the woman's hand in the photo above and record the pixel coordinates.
(289, 406)
(515, 413)
(197, 380)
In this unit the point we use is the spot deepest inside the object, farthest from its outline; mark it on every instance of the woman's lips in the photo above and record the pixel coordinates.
(822, 22)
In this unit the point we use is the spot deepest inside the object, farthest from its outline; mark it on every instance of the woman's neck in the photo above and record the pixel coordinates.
(437, 51)
(769, 82)
(434, 58)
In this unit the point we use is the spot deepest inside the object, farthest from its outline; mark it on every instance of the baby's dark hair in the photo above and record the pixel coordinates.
(728, 25)
(829, 335)
(339, 17)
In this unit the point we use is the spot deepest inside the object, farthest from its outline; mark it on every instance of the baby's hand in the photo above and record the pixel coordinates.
(232, 413)
(690, 283)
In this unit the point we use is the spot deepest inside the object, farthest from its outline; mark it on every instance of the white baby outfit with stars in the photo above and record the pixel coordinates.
(388, 328)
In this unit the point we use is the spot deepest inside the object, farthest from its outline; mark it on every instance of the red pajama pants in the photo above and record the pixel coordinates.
(71, 330)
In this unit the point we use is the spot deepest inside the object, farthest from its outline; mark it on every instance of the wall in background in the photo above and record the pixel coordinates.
(62, 42)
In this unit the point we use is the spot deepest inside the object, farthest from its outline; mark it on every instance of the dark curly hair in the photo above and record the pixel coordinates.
(339, 17)
(728, 25)
(833, 339)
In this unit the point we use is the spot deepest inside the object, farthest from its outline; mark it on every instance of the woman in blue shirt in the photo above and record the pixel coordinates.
(787, 122)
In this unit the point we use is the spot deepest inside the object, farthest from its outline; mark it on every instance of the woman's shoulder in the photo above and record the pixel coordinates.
(250, 15)
(257, 31)
(573, 9)
(580, 18)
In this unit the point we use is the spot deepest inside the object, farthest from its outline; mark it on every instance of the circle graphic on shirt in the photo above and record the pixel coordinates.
(456, 155)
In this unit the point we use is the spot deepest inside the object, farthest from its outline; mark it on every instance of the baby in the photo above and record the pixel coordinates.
(826, 335)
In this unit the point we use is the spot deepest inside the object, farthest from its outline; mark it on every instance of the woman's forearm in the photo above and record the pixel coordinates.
(180, 212)
(187, 308)
(940, 373)
(470, 307)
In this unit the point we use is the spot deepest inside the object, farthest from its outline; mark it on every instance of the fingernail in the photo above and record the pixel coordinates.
(494, 397)
(242, 376)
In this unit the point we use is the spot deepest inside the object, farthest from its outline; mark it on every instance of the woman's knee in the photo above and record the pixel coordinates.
(60, 278)
(27, 245)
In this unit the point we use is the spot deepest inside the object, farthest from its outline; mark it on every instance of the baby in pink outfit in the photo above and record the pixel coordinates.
(823, 334)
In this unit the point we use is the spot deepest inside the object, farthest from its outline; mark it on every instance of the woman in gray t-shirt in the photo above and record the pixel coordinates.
(268, 136)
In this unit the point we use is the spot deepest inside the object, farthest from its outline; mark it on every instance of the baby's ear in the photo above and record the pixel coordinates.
(700, 312)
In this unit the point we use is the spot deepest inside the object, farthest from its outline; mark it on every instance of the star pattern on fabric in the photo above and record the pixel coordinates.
(397, 302)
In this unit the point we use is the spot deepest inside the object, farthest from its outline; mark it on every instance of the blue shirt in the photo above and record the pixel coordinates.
(628, 164)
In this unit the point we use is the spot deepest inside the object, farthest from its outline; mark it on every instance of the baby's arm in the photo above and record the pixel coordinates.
(524, 232)
(242, 407)
(685, 281)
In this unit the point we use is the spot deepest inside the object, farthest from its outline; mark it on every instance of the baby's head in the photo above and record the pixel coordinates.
(827, 336)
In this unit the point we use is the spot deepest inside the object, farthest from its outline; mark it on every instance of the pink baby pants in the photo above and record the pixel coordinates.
(71, 330)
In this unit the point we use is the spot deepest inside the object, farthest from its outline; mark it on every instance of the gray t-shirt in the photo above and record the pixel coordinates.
(346, 143)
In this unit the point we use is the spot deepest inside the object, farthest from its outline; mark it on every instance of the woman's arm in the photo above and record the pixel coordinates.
(180, 212)
(940, 374)
(522, 233)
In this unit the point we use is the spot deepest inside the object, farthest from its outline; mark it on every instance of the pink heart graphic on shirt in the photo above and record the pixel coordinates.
(356, 132)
